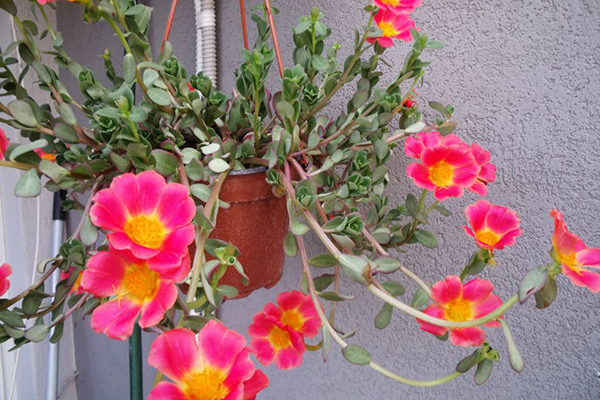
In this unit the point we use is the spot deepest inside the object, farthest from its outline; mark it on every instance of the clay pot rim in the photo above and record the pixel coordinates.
(249, 171)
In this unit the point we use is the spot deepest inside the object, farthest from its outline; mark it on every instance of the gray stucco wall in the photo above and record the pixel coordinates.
(524, 77)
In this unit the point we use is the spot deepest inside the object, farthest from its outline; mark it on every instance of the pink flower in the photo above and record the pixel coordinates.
(147, 216)
(398, 6)
(3, 144)
(5, 272)
(487, 173)
(573, 254)
(445, 170)
(394, 26)
(492, 227)
(215, 365)
(137, 289)
(458, 302)
(191, 88)
(274, 342)
(278, 332)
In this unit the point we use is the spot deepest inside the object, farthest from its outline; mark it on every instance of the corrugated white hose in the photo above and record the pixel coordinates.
(206, 38)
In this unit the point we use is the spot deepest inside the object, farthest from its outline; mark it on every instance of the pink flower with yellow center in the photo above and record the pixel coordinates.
(278, 332)
(394, 26)
(574, 255)
(3, 144)
(487, 173)
(398, 6)
(458, 302)
(493, 227)
(445, 170)
(5, 272)
(214, 365)
(147, 216)
(137, 289)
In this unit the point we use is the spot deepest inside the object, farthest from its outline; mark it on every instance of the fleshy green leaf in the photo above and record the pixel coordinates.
(159, 96)
(387, 265)
(290, 245)
(29, 185)
(426, 238)
(165, 163)
(23, 112)
(384, 317)
(324, 260)
(356, 355)
(468, 362)
(89, 233)
(53, 170)
(514, 355)
(356, 268)
(484, 371)
(129, 68)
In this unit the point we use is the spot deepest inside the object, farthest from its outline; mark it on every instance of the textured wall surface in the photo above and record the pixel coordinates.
(524, 77)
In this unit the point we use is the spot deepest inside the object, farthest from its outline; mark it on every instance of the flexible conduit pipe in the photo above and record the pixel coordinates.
(206, 38)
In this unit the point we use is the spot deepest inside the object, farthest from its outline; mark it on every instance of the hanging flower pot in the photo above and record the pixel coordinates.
(256, 222)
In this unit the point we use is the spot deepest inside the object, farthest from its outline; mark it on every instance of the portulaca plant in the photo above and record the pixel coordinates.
(153, 167)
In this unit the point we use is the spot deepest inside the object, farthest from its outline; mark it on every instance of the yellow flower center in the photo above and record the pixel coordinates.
(205, 385)
(441, 174)
(388, 29)
(488, 237)
(570, 260)
(293, 319)
(146, 230)
(140, 283)
(459, 310)
(279, 338)
(393, 3)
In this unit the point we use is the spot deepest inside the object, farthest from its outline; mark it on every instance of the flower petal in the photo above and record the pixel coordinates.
(139, 193)
(445, 291)
(581, 277)
(176, 208)
(115, 319)
(435, 311)
(487, 306)
(219, 347)
(166, 391)
(108, 211)
(242, 370)
(589, 258)
(466, 337)
(477, 290)
(252, 386)
(174, 353)
(104, 274)
(154, 311)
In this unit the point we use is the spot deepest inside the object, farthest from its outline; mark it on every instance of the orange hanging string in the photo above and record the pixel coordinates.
(244, 28)
(274, 33)
(169, 24)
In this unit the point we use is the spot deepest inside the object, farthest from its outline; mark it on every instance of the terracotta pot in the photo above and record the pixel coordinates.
(256, 223)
